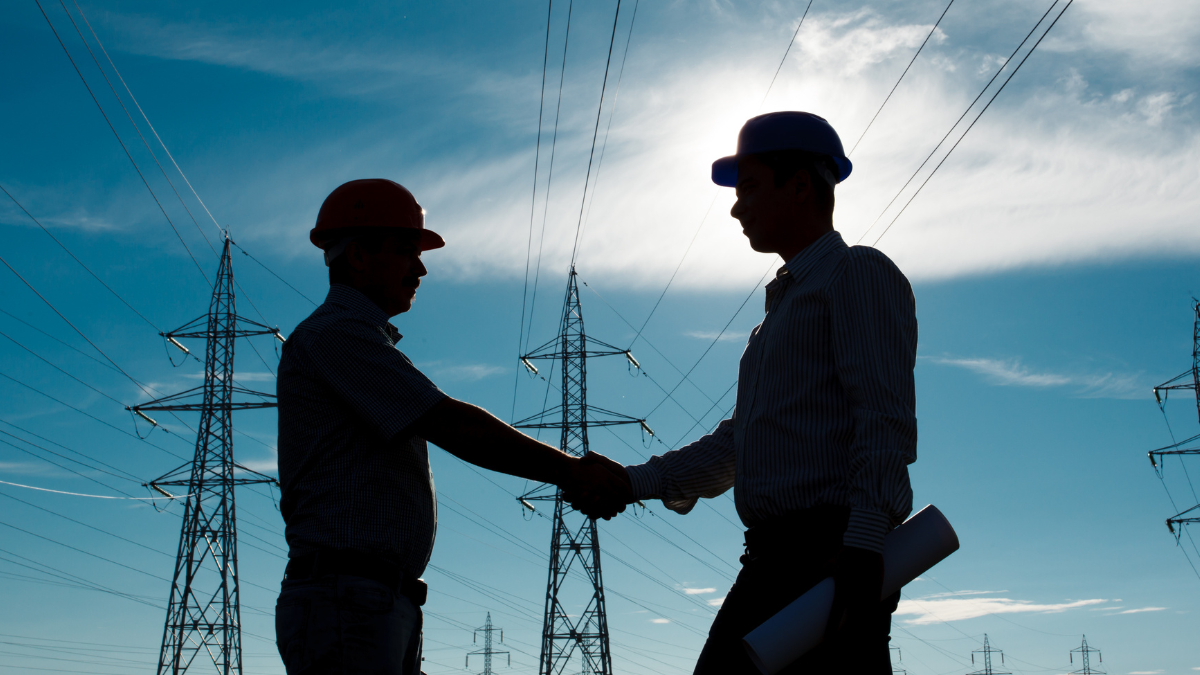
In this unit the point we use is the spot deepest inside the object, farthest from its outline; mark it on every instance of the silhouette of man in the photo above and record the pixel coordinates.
(354, 417)
(817, 450)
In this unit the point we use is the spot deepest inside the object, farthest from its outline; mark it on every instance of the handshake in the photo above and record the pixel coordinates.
(597, 487)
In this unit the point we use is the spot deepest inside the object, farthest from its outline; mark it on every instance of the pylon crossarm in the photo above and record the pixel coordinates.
(1167, 448)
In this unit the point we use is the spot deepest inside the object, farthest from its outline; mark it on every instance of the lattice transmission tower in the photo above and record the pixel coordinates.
(487, 652)
(1187, 380)
(987, 652)
(1085, 652)
(203, 626)
(574, 541)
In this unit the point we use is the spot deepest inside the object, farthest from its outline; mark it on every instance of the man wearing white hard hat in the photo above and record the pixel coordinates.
(354, 415)
(818, 447)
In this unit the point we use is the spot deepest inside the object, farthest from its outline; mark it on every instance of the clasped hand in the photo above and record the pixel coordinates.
(597, 486)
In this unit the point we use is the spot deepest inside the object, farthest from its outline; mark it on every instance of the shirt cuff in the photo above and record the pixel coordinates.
(644, 480)
(866, 529)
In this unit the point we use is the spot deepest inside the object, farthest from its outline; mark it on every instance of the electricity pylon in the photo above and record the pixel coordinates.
(487, 652)
(987, 652)
(204, 615)
(574, 538)
(1085, 652)
(1161, 392)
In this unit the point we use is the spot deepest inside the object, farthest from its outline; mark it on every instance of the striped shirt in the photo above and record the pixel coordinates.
(825, 410)
(350, 475)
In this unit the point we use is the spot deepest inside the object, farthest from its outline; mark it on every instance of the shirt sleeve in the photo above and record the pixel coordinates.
(704, 468)
(360, 363)
(873, 317)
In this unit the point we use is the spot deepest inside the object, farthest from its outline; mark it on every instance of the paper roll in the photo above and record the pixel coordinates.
(921, 542)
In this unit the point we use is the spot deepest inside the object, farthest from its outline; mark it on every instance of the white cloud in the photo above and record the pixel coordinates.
(930, 610)
(1055, 173)
(716, 602)
(459, 372)
(660, 621)
(1010, 372)
(1140, 610)
(715, 335)
(699, 591)
(1145, 672)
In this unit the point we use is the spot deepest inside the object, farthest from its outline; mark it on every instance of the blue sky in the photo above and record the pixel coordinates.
(1053, 258)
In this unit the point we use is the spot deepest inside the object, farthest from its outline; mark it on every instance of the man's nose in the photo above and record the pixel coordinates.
(737, 209)
(420, 271)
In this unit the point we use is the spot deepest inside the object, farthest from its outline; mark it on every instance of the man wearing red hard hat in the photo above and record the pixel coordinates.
(354, 416)
(818, 447)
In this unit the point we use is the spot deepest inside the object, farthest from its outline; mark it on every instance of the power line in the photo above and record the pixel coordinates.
(537, 271)
(595, 134)
(715, 340)
(537, 154)
(910, 63)
(611, 113)
(785, 54)
(76, 259)
(972, 125)
(121, 142)
(716, 191)
(130, 118)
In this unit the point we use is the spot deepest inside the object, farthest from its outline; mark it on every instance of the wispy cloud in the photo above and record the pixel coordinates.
(1011, 372)
(699, 591)
(462, 372)
(660, 621)
(716, 602)
(938, 609)
(1149, 672)
(1139, 610)
(727, 336)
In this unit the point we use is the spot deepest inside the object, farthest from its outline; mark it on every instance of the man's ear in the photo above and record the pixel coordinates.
(801, 185)
(356, 256)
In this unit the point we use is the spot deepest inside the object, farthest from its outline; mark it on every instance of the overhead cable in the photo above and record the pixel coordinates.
(910, 63)
(76, 259)
(595, 134)
(969, 127)
(537, 270)
(121, 142)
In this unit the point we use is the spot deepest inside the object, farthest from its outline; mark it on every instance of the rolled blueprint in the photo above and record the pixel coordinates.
(921, 542)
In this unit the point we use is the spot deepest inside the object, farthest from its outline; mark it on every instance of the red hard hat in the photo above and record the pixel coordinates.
(370, 203)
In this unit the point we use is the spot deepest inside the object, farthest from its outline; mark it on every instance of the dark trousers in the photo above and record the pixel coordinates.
(347, 625)
(784, 559)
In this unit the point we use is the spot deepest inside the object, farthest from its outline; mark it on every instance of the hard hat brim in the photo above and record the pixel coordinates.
(725, 170)
(427, 240)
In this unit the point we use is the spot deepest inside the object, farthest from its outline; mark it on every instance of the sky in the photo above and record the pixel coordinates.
(1053, 256)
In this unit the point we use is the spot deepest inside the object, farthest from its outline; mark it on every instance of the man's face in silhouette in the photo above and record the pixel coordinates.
(390, 273)
(781, 219)
(768, 214)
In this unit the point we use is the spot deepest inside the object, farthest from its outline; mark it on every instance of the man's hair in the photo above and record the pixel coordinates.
(788, 163)
(372, 240)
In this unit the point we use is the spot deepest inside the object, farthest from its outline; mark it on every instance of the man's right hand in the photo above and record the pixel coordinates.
(598, 487)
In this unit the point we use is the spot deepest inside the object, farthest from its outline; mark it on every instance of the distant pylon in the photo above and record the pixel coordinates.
(487, 652)
(203, 627)
(899, 658)
(1085, 652)
(987, 652)
(1161, 392)
(575, 544)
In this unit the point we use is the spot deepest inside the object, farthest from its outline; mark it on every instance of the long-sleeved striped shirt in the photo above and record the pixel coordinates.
(825, 410)
(351, 474)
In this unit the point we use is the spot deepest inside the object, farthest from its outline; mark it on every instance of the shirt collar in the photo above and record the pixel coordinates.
(353, 300)
(804, 261)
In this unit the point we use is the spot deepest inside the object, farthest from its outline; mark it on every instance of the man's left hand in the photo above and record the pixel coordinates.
(858, 584)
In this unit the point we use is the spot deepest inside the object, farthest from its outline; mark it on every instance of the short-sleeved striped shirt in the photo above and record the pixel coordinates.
(351, 475)
(826, 402)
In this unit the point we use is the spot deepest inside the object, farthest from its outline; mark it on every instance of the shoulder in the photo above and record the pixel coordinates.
(864, 264)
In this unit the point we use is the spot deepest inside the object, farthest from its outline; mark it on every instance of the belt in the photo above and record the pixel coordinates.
(327, 562)
(819, 528)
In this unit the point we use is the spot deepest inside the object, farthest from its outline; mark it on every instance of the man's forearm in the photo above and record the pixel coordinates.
(474, 435)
